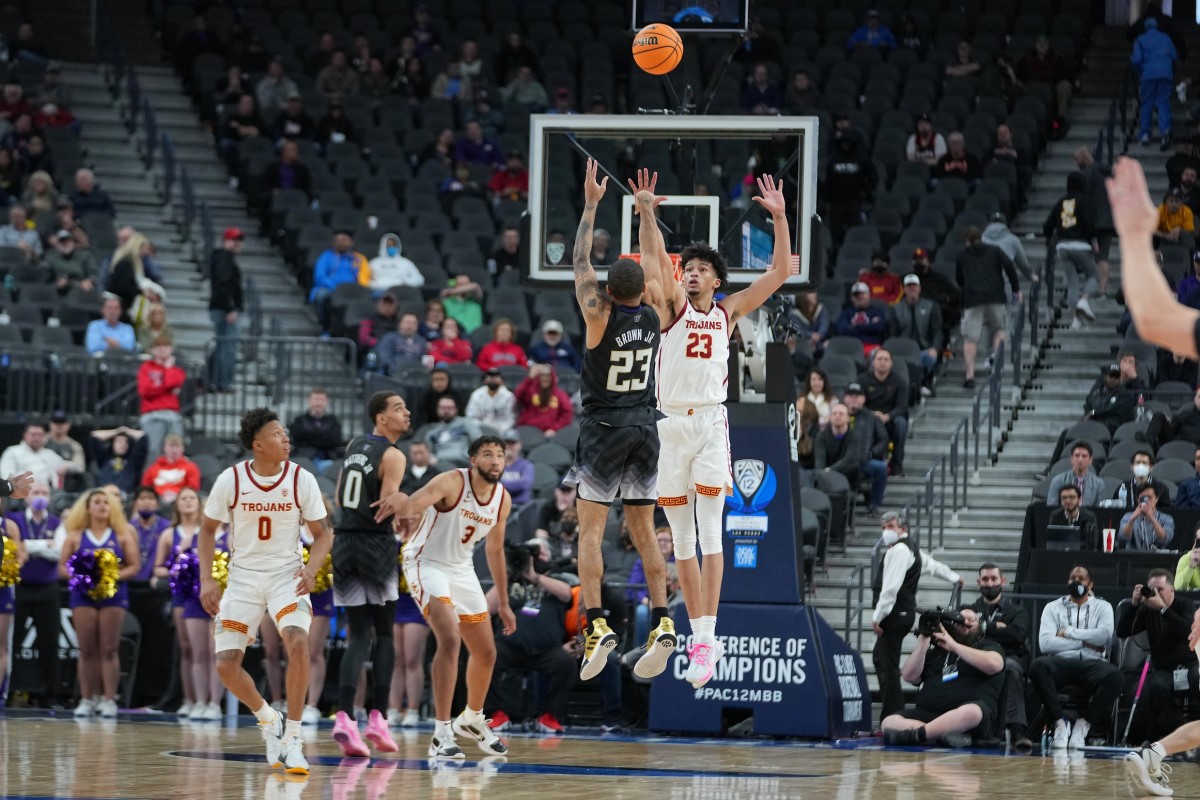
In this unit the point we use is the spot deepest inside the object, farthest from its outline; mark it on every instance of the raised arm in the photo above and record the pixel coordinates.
(592, 302)
(739, 304)
(656, 262)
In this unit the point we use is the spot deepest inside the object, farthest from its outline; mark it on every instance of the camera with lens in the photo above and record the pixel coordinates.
(518, 556)
(1148, 591)
(929, 621)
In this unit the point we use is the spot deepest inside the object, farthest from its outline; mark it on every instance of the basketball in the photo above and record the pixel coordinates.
(657, 48)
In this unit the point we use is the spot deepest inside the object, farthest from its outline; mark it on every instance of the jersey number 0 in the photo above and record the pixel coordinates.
(629, 370)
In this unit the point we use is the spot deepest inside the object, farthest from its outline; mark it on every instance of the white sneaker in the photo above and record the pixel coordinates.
(1062, 734)
(311, 715)
(926, 391)
(85, 708)
(1077, 323)
(1085, 308)
(442, 745)
(702, 663)
(272, 733)
(1146, 770)
(411, 719)
(478, 730)
(210, 713)
(294, 762)
(1079, 732)
(395, 718)
(185, 710)
(281, 707)
(107, 708)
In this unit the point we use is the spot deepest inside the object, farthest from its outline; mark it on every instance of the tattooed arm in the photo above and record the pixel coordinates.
(592, 301)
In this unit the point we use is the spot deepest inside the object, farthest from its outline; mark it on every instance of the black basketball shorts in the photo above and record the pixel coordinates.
(613, 462)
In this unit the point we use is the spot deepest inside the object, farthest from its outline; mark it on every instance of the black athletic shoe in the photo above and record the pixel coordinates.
(907, 737)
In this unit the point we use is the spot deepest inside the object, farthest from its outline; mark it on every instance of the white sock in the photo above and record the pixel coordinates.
(265, 714)
(441, 727)
(705, 629)
(292, 728)
(1158, 748)
(694, 624)
(472, 715)
(712, 629)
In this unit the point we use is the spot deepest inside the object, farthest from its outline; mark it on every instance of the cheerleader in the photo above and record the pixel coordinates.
(97, 522)
(38, 594)
(206, 683)
(8, 605)
(148, 526)
(178, 539)
(408, 674)
(318, 634)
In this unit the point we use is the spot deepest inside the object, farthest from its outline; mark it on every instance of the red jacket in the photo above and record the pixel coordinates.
(444, 352)
(549, 415)
(885, 287)
(158, 387)
(171, 477)
(495, 354)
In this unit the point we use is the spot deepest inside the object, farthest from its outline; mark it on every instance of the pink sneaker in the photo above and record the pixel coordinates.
(702, 661)
(377, 733)
(345, 733)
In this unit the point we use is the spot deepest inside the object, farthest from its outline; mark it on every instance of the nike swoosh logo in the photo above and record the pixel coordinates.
(249, 492)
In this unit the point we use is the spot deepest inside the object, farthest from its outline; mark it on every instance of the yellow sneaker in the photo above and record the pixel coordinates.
(600, 643)
(659, 647)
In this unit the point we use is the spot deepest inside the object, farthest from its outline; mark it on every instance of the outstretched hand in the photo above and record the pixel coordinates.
(646, 182)
(593, 191)
(1133, 211)
(770, 195)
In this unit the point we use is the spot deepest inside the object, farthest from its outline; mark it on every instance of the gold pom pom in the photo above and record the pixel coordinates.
(10, 572)
(108, 569)
(220, 569)
(324, 576)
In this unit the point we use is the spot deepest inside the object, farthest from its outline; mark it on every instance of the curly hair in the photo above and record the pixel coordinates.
(254, 421)
(482, 442)
(703, 252)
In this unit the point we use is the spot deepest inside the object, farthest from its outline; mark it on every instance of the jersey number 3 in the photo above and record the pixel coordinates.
(699, 345)
(629, 371)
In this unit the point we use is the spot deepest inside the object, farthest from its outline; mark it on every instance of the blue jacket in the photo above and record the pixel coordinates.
(1188, 494)
(333, 269)
(870, 325)
(1154, 53)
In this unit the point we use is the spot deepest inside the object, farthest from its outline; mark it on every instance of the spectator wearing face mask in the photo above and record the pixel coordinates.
(1142, 464)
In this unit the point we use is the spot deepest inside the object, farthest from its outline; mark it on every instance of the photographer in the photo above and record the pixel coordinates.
(1073, 637)
(960, 674)
(1146, 528)
(1166, 620)
(1007, 623)
(895, 598)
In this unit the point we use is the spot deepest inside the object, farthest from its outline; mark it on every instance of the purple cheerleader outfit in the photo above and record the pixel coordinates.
(192, 609)
(80, 599)
(407, 609)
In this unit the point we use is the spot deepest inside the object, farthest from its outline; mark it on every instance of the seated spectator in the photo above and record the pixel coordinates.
(440, 385)
(1045, 65)
(885, 286)
(909, 36)
(863, 319)
(1087, 483)
(512, 182)
(1074, 637)
(1165, 619)
(375, 84)
(1146, 528)
(554, 349)
(360, 54)
(810, 320)
(1006, 150)
(435, 314)
(60, 441)
(28, 46)
(451, 435)
(1191, 191)
(550, 520)
(340, 264)
(802, 94)
(507, 254)
(288, 172)
(240, 123)
(423, 32)
(460, 184)
(958, 162)
(872, 444)
(320, 55)
(761, 95)
(471, 62)
(13, 102)
(228, 90)
(952, 712)
(1175, 221)
(412, 82)
(88, 197)
(380, 322)
(451, 84)
(172, 472)
(1188, 290)
(70, 266)
(335, 127)
(873, 34)
(337, 80)
(1108, 401)
(517, 477)
(120, 455)
(564, 103)
(640, 597)
(1142, 463)
(390, 268)
(490, 118)
(1185, 425)
(542, 403)
(837, 448)
(621, 555)
(450, 347)
(887, 398)
(925, 145)
(920, 320)
(275, 89)
(403, 348)
(441, 149)
(420, 470)
(849, 182)
(20, 233)
(40, 196)
(53, 90)
(159, 382)
(525, 89)
(513, 53)
(1176, 367)
(109, 332)
(502, 350)
(817, 392)
(1187, 571)
(294, 124)
(11, 176)
(317, 434)
(154, 326)
(461, 302)
(475, 148)
(1070, 512)
(964, 63)
(37, 158)
(492, 404)
(32, 455)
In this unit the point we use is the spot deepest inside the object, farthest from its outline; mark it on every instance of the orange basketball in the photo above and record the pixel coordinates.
(657, 48)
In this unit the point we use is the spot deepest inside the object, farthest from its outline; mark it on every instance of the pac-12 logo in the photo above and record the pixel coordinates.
(754, 486)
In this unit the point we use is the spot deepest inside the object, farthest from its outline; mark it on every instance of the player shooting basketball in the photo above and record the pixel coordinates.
(693, 371)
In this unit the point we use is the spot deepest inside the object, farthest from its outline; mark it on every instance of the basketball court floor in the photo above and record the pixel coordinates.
(143, 757)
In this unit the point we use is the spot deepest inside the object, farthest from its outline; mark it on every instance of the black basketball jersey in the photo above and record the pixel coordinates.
(360, 485)
(617, 380)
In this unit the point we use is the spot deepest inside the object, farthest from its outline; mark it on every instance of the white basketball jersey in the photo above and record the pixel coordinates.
(693, 360)
(449, 537)
(265, 514)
